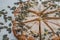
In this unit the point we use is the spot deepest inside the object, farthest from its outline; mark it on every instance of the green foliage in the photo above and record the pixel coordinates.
(10, 24)
(36, 35)
(33, 0)
(9, 18)
(57, 33)
(16, 3)
(13, 8)
(5, 27)
(56, 0)
(3, 10)
(49, 32)
(59, 29)
(8, 6)
(5, 37)
(1, 23)
(20, 0)
(5, 17)
(45, 34)
(9, 30)
(45, 30)
(1, 27)
(20, 18)
(44, 2)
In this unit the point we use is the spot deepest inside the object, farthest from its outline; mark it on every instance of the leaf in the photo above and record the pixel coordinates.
(5, 18)
(57, 33)
(10, 24)
(1, 27)
(1, 23)
(9, 18)
(49, 32)
(20, 18)
(36, 35)
(5, 37)
(33, 0)
(45, 30)
(5, 27)
(56, 0)
(9, 30)
(13, 8)
(51, 8)
(58, 28)
(8, 6)
(50, 35)
(16, 3)
(3, 10)
(45, 2)
(44, 34)
(6, 12)
(54, 6)
(12, 12)
(20, 0)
